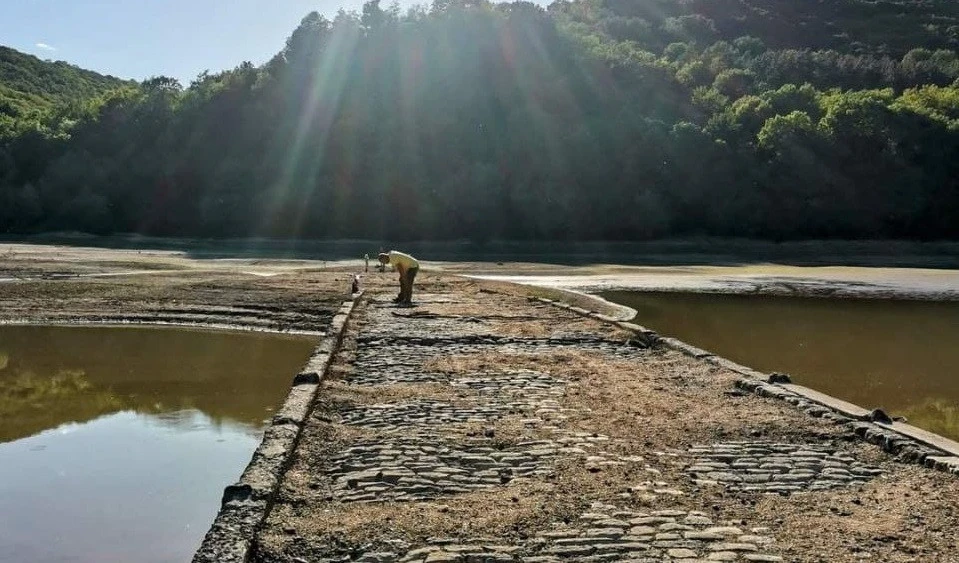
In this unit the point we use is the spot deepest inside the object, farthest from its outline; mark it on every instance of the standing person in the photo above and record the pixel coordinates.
(407, 266)
(366, 261)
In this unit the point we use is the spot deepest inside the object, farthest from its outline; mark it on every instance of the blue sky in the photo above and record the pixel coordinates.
(142, 38)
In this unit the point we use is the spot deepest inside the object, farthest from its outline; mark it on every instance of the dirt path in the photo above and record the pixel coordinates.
(481, 426)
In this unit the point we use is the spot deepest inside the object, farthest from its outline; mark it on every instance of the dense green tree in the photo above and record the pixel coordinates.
(594, 119)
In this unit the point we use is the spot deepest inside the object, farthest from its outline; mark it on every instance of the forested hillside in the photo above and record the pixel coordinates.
(891, 27)
(594, 119)
(28, 84)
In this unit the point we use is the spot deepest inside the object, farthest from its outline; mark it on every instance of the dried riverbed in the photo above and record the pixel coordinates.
(747, 279)
(482, 426)
(65, 285)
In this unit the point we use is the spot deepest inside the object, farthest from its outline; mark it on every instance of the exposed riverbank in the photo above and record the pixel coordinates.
(703, 251)
(77, 285)
(554, 436)
(880, 269)
(761, 279)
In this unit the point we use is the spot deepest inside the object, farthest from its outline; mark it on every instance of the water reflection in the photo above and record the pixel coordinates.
(899, 355)
(937, 415)
(115, 443)
(52, 375)
(122, 487)
(30, 404)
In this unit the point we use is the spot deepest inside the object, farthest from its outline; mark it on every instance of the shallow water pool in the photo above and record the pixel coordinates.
(116, 443)
(902, 356)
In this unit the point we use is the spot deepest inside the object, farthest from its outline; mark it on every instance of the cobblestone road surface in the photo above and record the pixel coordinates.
(398, 447)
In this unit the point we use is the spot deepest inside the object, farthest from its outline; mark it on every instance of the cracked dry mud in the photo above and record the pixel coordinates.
(440, 436)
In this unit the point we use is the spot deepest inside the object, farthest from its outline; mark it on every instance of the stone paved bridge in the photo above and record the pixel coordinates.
(484, 427)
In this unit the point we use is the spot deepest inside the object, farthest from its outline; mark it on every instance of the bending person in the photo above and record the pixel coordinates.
(407, 266)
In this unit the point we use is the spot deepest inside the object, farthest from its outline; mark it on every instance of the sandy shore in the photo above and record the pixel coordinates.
(930, 279)
(820, 281)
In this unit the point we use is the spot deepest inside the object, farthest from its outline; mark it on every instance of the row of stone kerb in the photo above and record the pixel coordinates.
(247, 503)
(907, 442)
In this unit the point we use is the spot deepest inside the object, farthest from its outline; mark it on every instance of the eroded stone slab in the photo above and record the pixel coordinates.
(423, 466)
(776, 467)
(606, 533)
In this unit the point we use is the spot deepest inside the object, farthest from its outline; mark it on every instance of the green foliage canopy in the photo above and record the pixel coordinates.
(594, 119)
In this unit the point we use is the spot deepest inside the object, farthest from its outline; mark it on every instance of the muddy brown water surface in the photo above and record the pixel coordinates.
(116, 443)
(901, 356)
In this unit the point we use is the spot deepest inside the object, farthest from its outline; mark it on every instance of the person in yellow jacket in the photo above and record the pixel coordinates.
(407, 266)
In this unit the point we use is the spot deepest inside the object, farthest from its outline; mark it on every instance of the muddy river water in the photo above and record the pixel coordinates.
(902, 356)
(116, 443)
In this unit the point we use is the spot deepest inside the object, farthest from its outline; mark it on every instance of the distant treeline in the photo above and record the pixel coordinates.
(594, 119)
